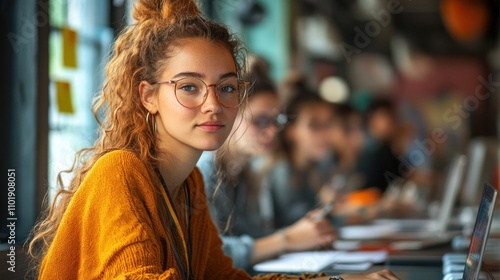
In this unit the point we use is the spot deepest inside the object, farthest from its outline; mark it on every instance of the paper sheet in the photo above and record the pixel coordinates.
(346, 245)
(64, 99)
(362, 256)
(352, 266)
(365, 232)
(69, 47)
(311, 261)
(314, 261)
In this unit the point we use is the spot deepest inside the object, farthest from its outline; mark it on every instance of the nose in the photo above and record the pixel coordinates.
(271, 130)
(211, 103)
(268, 133)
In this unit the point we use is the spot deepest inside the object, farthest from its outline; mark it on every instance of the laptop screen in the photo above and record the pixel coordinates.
(480, 233)
(452, 189)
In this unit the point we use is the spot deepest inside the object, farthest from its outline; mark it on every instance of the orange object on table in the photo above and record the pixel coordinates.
(364, 197)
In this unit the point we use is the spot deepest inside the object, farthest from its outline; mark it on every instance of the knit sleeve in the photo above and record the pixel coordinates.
(108, 230)
(129, 244)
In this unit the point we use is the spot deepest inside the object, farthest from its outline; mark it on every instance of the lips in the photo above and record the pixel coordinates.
(211, 126)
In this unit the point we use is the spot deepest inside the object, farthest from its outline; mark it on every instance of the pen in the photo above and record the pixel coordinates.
(323, 211)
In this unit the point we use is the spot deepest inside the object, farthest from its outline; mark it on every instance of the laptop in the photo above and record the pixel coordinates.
(456, 266)
(483, 155)
(416, 234)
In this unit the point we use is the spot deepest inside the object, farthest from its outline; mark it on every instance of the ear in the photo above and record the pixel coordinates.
(148, 97)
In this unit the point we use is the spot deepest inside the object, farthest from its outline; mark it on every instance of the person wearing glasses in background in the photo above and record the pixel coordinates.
(240, 206)
(136, 206)
(302, 164)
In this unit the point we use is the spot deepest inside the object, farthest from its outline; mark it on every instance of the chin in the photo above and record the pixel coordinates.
(320, 155)
(210, 149)
(205, 143)
(262, 151)
(209, 146)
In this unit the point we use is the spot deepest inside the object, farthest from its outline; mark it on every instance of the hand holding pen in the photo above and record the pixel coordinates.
(311, 232)
(322, 212)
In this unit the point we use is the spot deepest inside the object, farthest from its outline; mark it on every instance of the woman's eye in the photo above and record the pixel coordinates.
(262, 122)
(227, 89)
(189, 88)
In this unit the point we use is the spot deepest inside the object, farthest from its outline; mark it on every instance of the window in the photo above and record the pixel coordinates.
(71, 123)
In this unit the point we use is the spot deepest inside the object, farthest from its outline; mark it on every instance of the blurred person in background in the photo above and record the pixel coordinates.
(347, 140)
(240, 204)
(302, 163)
(373, 168)
(379, 162)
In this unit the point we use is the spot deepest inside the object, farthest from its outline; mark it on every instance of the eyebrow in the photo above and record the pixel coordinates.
(201, 76)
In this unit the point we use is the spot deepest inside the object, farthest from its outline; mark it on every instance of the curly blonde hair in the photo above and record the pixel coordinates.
(141, 53)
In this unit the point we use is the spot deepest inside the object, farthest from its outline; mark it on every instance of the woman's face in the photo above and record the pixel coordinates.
(337, 134)
(354, 134)
(256, 135)
(310, 134)
(207, 126)
(346, 135)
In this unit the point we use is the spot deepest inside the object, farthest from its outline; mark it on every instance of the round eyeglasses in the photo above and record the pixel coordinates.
(264, 121)
(192, 92)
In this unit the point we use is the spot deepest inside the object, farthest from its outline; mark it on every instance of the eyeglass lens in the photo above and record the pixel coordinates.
(192, 92)
(264, 121)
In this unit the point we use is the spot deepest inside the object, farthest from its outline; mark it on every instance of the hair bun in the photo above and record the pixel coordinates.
(170, 10)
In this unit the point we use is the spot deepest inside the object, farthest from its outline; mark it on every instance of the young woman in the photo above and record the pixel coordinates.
(136, 207)
(240, 206)
(346, 140)
(343, 189)
(301, 166)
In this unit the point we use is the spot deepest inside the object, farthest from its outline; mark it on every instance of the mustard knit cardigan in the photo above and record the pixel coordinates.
(112, 229)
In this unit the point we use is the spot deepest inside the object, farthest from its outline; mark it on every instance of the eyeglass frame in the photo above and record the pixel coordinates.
(279, 121)
(244, 85)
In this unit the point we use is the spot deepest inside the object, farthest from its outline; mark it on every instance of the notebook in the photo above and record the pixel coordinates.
(315, 261)
(469, 268)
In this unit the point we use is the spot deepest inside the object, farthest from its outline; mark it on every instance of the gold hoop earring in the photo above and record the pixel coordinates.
(152, 120)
